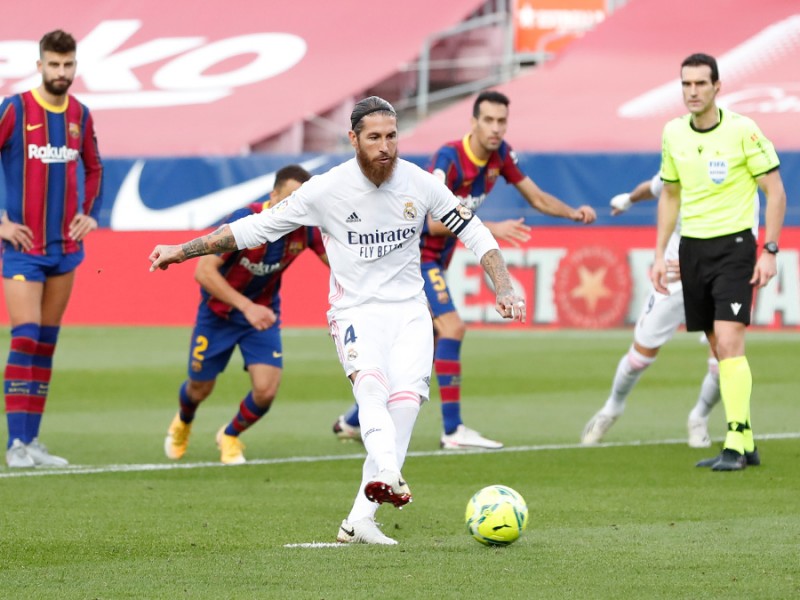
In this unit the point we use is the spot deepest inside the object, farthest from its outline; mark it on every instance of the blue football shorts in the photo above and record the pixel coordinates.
(436, 290)
(30, 267)
(214, 339)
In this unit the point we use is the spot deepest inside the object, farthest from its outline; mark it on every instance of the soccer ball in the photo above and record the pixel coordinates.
(496, 515)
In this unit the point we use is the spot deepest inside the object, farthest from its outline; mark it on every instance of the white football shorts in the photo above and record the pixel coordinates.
(396, 338)
(660, 317)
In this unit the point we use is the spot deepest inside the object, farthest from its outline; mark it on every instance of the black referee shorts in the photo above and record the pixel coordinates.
(716, 275)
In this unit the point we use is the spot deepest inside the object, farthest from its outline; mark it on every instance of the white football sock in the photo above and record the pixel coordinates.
(377, 428)
(362, 506)
(403, 408)
(709, 392)
(630, 368)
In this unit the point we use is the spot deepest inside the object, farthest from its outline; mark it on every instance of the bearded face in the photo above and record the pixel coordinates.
(376, 147)
(58, 72)
(377, 168)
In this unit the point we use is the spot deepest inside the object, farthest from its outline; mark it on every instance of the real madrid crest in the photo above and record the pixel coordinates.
(410, 212)
(464, 212)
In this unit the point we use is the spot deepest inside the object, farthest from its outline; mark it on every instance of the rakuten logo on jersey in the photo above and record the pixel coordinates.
(52, 154)
(259, 269)
(190, 76)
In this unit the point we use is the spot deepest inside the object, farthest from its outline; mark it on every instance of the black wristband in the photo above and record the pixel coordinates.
(771, 247)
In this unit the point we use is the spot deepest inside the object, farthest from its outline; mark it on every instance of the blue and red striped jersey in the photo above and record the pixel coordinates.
(471, 180)
(257, 272)
(40, 145)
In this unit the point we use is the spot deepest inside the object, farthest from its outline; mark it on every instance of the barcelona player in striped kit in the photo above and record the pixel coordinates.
(469, 167)
(43, 134)
(240, 306)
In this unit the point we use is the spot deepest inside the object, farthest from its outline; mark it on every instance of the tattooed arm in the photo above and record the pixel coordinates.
(508, 304)
(477, 237)
(216, 242)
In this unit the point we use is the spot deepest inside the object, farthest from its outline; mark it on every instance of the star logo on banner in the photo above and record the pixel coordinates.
(591, 287)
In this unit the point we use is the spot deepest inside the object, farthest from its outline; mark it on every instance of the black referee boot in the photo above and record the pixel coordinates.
(730, 460)
(752, 459)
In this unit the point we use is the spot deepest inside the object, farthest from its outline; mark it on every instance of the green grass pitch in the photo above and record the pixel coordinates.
(631, 519)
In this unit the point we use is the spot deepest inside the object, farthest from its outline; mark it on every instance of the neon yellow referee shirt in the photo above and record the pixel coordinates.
(717, 171)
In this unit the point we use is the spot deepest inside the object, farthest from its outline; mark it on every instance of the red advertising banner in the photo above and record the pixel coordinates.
(587, 278)
(550, 25)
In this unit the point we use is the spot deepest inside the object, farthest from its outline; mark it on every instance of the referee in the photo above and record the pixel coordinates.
(712, 163)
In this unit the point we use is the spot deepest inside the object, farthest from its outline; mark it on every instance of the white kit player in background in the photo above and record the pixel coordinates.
(660, 318)
(371, 210)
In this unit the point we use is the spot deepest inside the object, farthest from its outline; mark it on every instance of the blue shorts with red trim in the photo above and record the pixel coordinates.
(31, 267)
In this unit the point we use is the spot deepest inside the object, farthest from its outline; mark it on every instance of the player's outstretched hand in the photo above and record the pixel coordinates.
(584, 214)
(512, 231)
(620, 203)
(163, 256)
(511, 306)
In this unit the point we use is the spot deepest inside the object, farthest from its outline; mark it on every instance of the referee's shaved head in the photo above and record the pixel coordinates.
(368, 106)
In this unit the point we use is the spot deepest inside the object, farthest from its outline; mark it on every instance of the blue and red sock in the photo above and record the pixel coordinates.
(18, 378)
(447, 364)
(42, 371)
(187, 407)
(249, 413)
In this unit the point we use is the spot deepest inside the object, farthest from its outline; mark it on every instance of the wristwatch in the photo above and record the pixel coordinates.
(771, 247)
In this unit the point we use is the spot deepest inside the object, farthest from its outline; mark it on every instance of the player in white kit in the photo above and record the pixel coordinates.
(661, 316)
(371, 210)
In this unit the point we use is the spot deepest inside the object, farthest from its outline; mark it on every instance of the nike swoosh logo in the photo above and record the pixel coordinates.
(130, 214)
(351, 533)
(276, 354)
(30, 127)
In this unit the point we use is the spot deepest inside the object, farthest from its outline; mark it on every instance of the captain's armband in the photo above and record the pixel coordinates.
(457, 219)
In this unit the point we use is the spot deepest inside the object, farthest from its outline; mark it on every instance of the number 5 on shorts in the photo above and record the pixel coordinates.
(437, 281)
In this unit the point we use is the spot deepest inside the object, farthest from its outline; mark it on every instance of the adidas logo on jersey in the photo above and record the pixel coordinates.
(353, 218)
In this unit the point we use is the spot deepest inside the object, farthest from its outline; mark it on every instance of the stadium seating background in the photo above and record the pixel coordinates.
(176, 100)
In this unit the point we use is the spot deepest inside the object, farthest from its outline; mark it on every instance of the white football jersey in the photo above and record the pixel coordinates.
(371, 234)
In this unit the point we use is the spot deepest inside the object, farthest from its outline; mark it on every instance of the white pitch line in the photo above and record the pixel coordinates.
(139, 468)
(317, 545)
